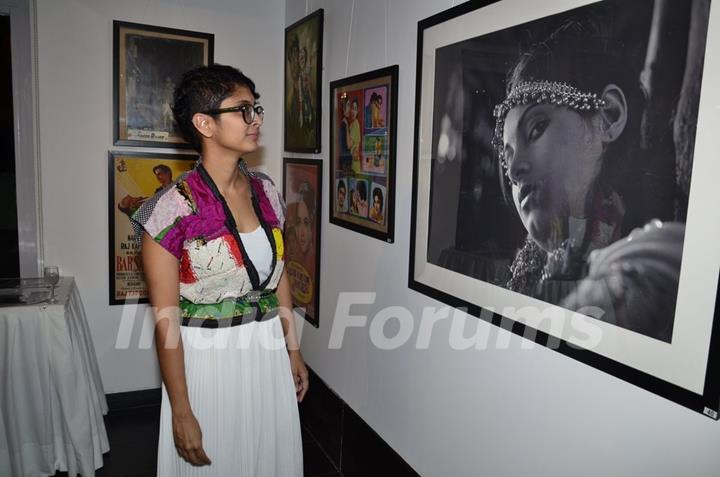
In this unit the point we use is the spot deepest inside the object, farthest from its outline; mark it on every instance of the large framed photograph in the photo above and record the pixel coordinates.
(302, 189)
(303, 83)
(363, 130)
(564, 181)
(148, 62)
(133, 178)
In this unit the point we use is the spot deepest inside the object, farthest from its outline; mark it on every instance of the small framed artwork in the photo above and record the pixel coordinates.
(564, 182)
(303, 83)
(133, 178)
(148, 62)
(362, 152)
(302, 186)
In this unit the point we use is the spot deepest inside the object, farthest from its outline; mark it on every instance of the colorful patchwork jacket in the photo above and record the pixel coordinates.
(192, 221)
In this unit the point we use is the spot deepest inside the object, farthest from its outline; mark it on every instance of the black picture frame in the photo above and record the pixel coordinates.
(148, 62)
(132, 179)
(643, 361)
(371, 164)
(302, 183)
(303, 84)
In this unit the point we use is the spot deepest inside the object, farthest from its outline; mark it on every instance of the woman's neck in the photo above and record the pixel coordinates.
(224, 171)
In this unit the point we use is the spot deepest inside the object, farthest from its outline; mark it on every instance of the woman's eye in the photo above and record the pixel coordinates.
(538, 129)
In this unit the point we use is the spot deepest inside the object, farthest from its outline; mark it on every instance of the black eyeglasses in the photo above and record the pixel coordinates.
(248, 111)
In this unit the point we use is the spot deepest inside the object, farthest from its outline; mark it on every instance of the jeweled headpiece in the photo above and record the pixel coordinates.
(540, 92)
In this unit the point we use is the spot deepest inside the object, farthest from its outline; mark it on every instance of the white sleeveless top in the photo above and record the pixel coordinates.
(259, 251)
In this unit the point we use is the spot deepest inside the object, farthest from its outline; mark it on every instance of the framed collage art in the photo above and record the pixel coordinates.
(363, 129)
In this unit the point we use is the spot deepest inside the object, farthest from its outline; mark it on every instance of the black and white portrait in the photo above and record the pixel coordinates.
(562, 152)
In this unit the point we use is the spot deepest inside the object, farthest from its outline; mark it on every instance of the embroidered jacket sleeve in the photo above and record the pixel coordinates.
(162, 218)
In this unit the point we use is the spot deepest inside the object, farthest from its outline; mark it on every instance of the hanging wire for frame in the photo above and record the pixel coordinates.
(347, 55)
(386, 32)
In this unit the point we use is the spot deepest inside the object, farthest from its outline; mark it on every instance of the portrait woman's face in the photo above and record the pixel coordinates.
(303, 227)
(341, 197)
(554, 157)
(376, 204)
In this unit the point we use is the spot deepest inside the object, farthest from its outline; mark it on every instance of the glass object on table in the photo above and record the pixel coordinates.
(23, 291)
(52, 276)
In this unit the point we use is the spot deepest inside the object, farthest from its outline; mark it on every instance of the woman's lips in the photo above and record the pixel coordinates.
(527, 193)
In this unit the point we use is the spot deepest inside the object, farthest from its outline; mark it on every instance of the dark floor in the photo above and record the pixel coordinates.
(133, 438)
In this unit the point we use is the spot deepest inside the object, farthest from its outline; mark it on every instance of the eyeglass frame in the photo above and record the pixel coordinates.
(257, 110)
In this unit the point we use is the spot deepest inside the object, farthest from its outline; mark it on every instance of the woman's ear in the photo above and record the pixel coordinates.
(203, 124)
(614, 113)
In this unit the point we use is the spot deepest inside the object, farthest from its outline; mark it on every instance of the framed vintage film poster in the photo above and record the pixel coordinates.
(362, 152)
(148, 62)
(302, 189)
(133, 178)
(303, 83)
(565, 171)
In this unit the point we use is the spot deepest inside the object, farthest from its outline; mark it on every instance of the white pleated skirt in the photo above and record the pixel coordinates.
(242, 393)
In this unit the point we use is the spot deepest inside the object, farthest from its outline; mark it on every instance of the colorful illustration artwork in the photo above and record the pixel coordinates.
(362, 151)
(134, 178)
(302, 190)
(303, 76)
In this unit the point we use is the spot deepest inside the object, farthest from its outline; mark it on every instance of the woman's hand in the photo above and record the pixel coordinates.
(188, 439)
(299, 373)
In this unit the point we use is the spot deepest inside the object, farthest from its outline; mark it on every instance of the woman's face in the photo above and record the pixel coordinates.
(341, 197)
(303, 227)
(376, 204)
(232, 132)
(554, 158)
(354, 110)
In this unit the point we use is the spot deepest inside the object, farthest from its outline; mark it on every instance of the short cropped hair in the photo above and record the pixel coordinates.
(203, 89)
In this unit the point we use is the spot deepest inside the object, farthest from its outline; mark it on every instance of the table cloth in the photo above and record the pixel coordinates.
(52, 400)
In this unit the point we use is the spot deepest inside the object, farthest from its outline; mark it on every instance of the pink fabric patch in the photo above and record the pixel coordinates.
(168, 209)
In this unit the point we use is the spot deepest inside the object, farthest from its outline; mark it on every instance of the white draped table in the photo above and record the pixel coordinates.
(52, 400)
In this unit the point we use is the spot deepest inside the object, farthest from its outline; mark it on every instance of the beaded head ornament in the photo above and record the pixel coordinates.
(540, 92)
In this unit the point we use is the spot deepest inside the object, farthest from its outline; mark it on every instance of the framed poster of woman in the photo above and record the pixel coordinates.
(302, 179)
(563, 168)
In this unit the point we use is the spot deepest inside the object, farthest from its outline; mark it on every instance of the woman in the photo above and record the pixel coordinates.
(358, 199)
(376, 211)
(567, 138)
(301, 264)
(305, 217)
(377, 120)
(353, 133)
(213, 258)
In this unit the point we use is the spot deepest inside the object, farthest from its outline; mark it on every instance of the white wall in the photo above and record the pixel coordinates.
(75, 97)
(495, 412)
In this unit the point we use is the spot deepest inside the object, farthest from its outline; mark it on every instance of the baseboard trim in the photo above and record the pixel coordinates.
(118, 402)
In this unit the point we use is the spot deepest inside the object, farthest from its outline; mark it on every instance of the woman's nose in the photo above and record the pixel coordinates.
(518, 167)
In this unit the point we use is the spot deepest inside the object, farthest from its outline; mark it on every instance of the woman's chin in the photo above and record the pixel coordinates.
(540, 233)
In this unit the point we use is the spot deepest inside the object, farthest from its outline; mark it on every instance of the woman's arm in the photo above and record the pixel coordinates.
(297, 364)
(162, 277)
